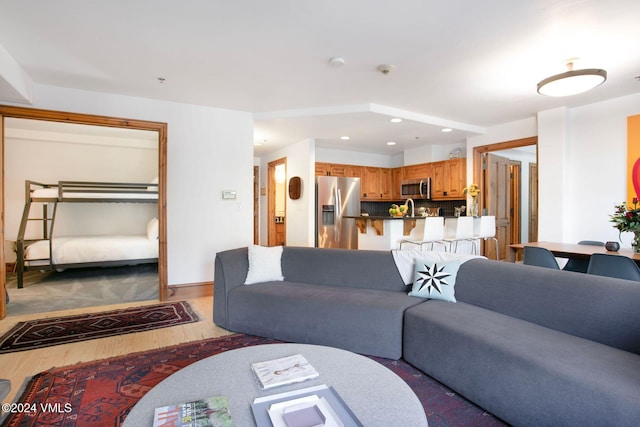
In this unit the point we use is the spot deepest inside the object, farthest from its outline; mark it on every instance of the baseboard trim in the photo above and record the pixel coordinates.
(190, 290)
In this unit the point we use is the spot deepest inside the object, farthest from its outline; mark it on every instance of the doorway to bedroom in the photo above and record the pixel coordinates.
(48, 146)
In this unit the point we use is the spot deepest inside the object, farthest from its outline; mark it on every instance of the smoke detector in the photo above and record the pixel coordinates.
(386, 68)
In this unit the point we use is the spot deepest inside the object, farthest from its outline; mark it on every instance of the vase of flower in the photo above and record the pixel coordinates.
(473, 208)
(627, 219)
(473, 190)
(635, 245)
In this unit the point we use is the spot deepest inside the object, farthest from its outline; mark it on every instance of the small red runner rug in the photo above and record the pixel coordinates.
(101, 393)
(41, 333)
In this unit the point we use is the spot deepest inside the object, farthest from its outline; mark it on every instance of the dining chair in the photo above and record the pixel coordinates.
(433, 233)
(580, 265)
(484, 228)
(457, 230)
(618, 266)
(540, 257)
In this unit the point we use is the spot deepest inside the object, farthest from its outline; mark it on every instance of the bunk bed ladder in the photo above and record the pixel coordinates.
(48, 220)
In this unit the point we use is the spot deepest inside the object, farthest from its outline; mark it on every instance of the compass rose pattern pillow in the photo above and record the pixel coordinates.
(435, 280)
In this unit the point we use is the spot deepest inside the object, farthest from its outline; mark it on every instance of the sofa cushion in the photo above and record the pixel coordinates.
(435, 280)
(367, 321)
(597, 308)
(342, 267)
(524, 373)
(264, 264)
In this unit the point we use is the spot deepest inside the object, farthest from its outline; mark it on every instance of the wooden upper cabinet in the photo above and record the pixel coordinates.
(322, 169)
(385, 184)
(419, 171)
(448, 179)
(353, 171)
(370, 184)
(396, 181)
(337, 170)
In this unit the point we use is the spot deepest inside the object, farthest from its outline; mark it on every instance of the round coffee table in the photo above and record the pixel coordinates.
(377, 396)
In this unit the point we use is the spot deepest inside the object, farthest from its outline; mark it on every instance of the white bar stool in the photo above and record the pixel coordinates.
(484, 228)
(458, 229)
(433, 233)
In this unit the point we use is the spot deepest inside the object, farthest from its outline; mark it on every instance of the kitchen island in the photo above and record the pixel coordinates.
(385, 232)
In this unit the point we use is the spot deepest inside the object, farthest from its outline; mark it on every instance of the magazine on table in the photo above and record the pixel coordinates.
(211, 412)
(284, 370)
(320, 404)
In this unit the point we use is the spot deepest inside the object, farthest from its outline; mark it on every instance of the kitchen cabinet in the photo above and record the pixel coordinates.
(448, 179)
(385, 183)
(322, 169)
(419, 171)
(396, 181)
(337, 170)
(370, 184)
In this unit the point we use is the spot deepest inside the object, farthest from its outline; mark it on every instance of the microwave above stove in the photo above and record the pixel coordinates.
(416, 188)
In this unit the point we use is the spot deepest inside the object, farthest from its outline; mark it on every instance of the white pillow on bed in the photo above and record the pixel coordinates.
(264, 264)
(152, 229)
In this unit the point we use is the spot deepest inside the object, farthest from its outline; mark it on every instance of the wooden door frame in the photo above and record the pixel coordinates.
(95, 120)
(478, 151)
(256, 204)
(271, 199)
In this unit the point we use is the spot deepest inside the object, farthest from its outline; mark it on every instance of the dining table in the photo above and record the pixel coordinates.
(571, 250)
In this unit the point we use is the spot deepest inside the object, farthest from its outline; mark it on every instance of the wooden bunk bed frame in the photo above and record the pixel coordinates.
(49, 195)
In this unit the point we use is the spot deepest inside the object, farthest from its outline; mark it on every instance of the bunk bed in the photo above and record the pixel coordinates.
(47, 253)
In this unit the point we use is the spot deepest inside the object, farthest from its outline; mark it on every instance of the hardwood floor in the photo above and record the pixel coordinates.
(20, 366)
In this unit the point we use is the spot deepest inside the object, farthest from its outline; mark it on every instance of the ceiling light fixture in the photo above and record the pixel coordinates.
(572, 82)
(447, 130)
(386, 68)
(396, 120)
(345, 138)
(391, 143)
(336, 61)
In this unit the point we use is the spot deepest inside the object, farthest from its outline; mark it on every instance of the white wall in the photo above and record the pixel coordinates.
(582, 170)
(346, 157)
(209, 150)
(300, 220)
(593, 158)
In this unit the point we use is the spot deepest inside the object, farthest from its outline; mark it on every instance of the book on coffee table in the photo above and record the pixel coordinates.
(284, 370)
(211, 412)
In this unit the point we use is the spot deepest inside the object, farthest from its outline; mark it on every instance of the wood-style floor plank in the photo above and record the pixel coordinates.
(22, 365)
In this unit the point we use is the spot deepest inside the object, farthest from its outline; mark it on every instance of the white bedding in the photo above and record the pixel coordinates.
(52, 193)
(71, 250)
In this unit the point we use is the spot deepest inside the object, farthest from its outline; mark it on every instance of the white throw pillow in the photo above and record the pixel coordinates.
(264, 264)
(152, 229)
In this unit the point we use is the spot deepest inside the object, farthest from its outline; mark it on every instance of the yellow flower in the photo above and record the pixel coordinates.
(473, 190)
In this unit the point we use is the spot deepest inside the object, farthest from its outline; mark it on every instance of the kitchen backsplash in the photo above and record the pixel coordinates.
(382, 208)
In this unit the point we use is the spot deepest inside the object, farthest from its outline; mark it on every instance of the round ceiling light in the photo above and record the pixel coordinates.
(396, 120)
(391, 143)
(572, 82)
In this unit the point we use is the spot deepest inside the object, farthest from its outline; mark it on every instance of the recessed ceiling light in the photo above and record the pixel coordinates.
(446, 130)
(396, 120)
(391, 143)
(345, 138)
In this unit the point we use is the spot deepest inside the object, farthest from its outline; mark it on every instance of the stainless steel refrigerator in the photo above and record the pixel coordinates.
(335, 198)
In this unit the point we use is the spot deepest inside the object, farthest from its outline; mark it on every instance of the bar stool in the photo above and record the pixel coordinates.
(457, 230)
(484, 228)
(433, 233)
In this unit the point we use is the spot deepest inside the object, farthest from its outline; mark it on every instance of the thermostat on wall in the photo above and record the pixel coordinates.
(227, 194)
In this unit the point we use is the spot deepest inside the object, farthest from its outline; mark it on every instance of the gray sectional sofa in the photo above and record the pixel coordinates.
(533, 346)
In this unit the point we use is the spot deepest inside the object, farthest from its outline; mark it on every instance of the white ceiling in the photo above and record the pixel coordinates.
(462, 64)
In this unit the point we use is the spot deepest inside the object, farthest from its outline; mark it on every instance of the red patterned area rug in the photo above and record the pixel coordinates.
(41, 333)
(102, 393)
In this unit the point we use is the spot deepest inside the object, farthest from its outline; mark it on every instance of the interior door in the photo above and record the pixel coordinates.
(533, 202)
(497, 201)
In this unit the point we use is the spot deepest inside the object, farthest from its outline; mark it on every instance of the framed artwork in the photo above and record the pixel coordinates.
(633, 159)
